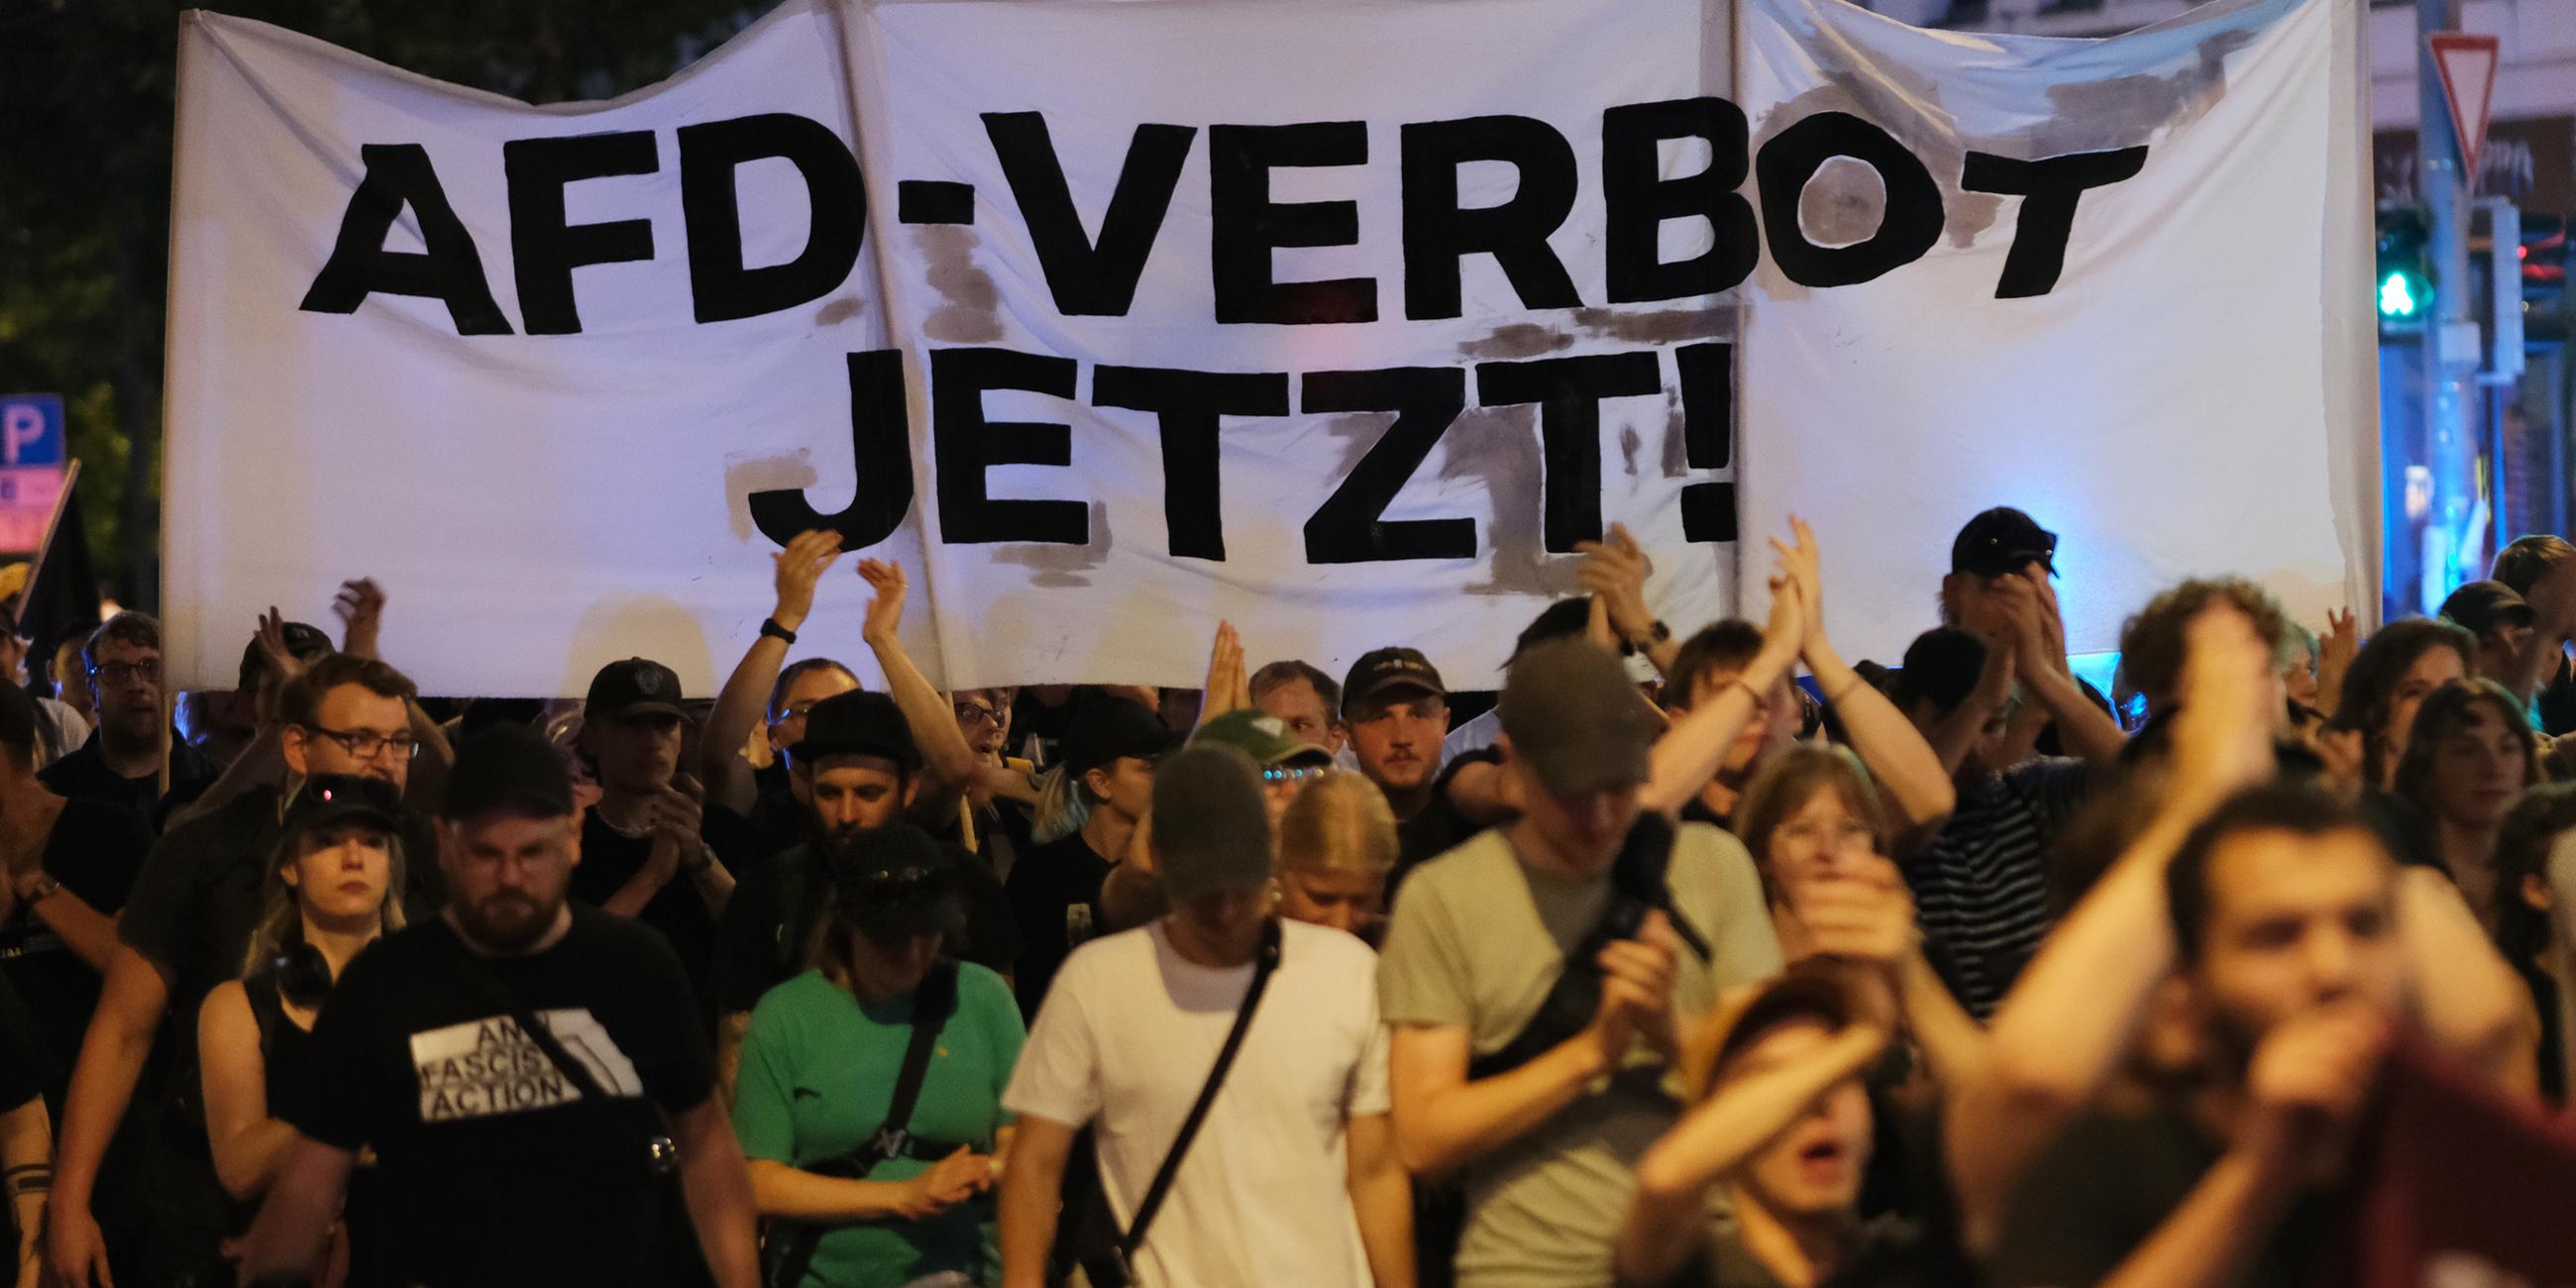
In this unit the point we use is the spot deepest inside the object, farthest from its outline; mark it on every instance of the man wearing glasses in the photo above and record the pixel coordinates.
(121, 763)
(184, 930)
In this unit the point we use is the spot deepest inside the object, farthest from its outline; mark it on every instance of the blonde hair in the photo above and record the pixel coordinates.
(1338, 823)
(281, 926)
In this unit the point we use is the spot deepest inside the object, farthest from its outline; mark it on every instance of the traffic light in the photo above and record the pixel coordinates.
(2404, 285)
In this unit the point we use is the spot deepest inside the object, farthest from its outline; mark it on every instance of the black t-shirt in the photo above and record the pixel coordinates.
(1440, 827)
(775, 824)
(204, 888)
(2556, 701)
(767, 925)
(610, 858)
(2105, 1186)
(83, 775)
(95, 850)
(1055, 898)
(494, 1168)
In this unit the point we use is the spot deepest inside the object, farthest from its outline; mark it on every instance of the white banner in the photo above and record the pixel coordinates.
(1344, 321)
(2183, 387)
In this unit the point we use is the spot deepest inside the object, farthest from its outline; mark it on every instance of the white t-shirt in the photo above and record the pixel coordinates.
(1126, 1039)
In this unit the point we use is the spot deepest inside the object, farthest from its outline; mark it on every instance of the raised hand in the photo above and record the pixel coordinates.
(1803, 564)
(2223, 730)
(2335, 651)
(1614, 572)
(885, 612)
(1226, 690)
(1785, 634)
(283, 665)
(360, 606)
(2310, 1078)
(800, 568)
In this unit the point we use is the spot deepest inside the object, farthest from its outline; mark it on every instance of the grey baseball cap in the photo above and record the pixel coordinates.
(1211, 825)
(1572, 713)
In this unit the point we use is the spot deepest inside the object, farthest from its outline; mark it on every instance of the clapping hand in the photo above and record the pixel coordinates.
(800, 568)
(360, 606)
(885, 612)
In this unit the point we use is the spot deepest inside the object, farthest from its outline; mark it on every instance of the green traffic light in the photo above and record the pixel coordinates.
(2399, 296)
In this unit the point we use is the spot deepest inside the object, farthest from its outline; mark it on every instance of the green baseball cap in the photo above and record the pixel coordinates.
(1265, 738)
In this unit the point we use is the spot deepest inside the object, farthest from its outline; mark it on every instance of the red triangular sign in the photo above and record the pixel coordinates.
(2467, 65)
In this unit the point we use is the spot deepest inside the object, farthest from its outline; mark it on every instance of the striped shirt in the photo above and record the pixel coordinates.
(1981, 886)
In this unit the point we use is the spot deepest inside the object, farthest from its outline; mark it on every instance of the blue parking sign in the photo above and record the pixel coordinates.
(31, 429)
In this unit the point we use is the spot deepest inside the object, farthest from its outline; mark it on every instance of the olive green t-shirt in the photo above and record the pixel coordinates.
(818, 1073)
(1477, 939)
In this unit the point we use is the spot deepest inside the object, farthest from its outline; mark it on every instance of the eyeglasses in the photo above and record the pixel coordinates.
(976, 713)
(1293, 773)
(797, 712)
(364, 744)
(115, 673)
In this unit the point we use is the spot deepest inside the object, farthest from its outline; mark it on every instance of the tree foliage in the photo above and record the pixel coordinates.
(86, 105)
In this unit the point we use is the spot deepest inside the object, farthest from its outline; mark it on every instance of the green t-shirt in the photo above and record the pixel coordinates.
(818, 1071)
(1477, 940)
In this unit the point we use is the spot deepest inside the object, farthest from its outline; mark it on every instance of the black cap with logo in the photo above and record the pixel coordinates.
(326, 799)
(1107, 728)
(1385, 670)
(2002, 540)
(634, 687)
(895, 881)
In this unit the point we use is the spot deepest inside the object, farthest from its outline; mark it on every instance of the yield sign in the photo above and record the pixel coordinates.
(2467, 65)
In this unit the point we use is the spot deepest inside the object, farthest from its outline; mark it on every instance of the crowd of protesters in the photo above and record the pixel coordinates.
(1704, 958)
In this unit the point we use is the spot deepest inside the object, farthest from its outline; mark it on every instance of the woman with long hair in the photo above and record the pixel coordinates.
(1337, 843)
(2389, 680)
(2535, 870)
(815, 1102)
(2468, 756)
(337, 887)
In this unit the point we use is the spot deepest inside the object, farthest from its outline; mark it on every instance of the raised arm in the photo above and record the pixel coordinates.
(1691, 751)
(2085, 730)
(1916, 780)
(1614, 572)
(745, 696)
(2068, 1023)
(947, 762)
(1667, 1221)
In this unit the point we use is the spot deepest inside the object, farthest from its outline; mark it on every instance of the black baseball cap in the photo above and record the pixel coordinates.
(2002, 540)
(635, 687)
(1381, 670)
(857, 723)
(326, 799)
(508, 767)
(2483, 606)
(895, 881)
(1107, 727)
(304, 642)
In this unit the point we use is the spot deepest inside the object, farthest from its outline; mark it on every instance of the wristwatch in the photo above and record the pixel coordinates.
(1654, 636)
(43, 887)
(769, 626)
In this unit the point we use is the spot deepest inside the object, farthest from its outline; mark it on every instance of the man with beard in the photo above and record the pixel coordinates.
(502, 1158)
(121, 763)
(184, 929)
(857, 767)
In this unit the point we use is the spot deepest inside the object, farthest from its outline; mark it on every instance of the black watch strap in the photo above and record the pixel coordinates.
(769, 626)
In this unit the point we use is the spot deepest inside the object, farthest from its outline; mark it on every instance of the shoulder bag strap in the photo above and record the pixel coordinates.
(792, 1245)
(1264, 965)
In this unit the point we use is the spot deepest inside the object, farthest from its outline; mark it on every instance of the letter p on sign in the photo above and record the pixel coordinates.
(31, 430)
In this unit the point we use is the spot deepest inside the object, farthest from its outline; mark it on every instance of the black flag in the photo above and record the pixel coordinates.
(61, 598)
